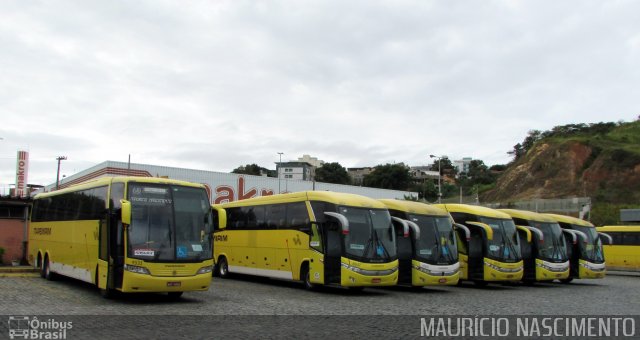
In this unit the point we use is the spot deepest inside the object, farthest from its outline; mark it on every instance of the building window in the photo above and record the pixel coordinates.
(288, 176)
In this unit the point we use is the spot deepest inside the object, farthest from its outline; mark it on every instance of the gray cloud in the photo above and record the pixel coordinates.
(214, 85)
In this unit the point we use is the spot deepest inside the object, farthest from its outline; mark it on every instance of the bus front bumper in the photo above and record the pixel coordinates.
(590, 270)
(359, 274)
(423, 274)
(502, 271)
(142, 283)
(549, 271)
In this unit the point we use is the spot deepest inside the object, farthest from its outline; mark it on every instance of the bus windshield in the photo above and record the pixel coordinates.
(592, 250)
(371, 236)
(437, 242)
(505, 245)
(553, 248)
(169, 223)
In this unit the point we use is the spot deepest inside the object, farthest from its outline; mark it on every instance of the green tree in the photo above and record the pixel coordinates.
(427, 190)
(332, 173)
(389, 176)
(250, 169)
(445, 166)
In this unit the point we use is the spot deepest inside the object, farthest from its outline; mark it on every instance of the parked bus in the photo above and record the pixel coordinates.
(542, 244)
(426, 243)
(125, 234)
(624, 251)
(586, 258)
(492, 252)
(317, 237)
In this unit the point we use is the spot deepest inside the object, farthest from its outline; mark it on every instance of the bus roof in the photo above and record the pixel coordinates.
(625, 228)
(325, 196)
(528, 215)
(570, 220)
(414, 207)
(98, 182)
(474, 210)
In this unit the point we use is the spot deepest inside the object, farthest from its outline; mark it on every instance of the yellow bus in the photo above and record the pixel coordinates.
(125, 234)
(492, 252)
(542, 244)
(317, 237)
(624, 251)
(586, 258)
(426, 244)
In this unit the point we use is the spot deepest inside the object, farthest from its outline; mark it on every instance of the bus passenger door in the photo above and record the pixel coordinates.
(333, 252)
(102, 275)
(316, 266)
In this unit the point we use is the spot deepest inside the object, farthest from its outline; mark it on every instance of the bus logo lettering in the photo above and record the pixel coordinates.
(220, 238)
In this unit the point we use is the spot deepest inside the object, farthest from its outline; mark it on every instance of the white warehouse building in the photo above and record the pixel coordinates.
(223, 187)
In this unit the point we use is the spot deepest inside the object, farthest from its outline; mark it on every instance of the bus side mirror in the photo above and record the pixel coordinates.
(222, 217)
(342, 220)
(126, 212)
(607, 237)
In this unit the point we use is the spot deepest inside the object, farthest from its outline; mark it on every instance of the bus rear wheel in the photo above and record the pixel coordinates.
(46, 270)
(223, 268)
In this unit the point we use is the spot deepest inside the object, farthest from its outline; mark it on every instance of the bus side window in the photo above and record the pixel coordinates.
(275, 216)
(297, 216)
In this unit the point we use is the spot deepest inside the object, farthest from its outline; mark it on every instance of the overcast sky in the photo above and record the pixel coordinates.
(217, 84)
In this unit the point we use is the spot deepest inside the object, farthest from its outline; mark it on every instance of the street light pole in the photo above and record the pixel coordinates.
(439, 174)
(278, 170)
(59, 158)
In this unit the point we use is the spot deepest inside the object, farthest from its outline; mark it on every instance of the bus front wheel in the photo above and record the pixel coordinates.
(567, 280)
(306, 277)
(223, 268)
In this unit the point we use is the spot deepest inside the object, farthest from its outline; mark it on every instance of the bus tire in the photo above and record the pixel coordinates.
(306, 277)
(223, 268)
(175, 295)
(567, 280)
(39, 265)
(46, 270)
(356, 289)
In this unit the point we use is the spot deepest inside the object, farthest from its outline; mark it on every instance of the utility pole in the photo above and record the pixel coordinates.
(278, 170)
(439, 175)
(59, 158)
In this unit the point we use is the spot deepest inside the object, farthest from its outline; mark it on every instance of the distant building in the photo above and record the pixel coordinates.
(296, 170)
(423, 173)
(314, 161)
(357, 174)
(462, 165)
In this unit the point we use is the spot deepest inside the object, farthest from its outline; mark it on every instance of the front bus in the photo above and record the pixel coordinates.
(320, 238)
(126, 234)
(492, 252)
(586, 257)
(426, 242)
(543, 246)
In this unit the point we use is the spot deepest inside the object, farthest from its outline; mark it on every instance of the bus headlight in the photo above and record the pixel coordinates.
(136, 269)
(205, 270)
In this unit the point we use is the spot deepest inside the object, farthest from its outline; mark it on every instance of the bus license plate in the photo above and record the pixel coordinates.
(376, 280)
(442, 280)
(173, 284)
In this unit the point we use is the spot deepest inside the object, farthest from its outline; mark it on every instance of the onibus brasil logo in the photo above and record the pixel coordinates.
(25, 327)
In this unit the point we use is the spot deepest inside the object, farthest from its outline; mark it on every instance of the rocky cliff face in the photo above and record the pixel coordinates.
(605, 171)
